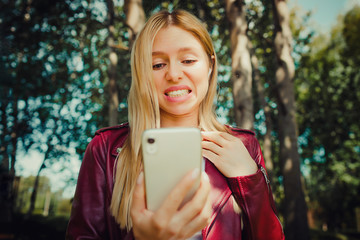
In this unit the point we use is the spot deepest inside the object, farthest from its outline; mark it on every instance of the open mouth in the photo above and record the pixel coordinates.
(178, 93)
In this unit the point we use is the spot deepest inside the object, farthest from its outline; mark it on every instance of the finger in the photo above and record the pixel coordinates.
(211, 156)
(228, 136)
(200, 221)
(176, 196)
(211, 146)
(138, 203)
(195, 205)
(214, 137)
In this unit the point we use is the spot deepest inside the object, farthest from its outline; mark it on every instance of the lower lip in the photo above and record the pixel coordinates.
(178, 99)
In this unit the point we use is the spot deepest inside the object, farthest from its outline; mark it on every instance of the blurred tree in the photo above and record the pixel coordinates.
(261, 32)
(27, 69)
(47, 60)
(54, 142)
(241, 69)
(22, 203)
(296, 225)
(327, 82)
(113, 94)
(265, 108)
(59, 61)
(135, 18)
(64, 207)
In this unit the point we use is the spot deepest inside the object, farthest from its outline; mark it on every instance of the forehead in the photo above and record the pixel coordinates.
(173, 38)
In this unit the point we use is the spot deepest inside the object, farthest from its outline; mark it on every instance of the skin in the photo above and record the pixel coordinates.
(228, 154)
(181, 63)
(170, 222)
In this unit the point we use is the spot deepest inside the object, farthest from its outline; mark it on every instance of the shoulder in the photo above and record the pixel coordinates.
(119, 129)
(112, 137)
(247, 136)
(250, 141)
(239, 131)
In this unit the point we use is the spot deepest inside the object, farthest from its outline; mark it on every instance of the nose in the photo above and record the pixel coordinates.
(174, 72)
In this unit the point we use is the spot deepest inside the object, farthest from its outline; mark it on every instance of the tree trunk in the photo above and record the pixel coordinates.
(200, 10)
(14, 135)
(5, 216)
(37, 178)
(135, 18)
(35, 188)
(241, 64)
(296, 224)
(47, 203)
(7, 163)
(112, 86)
(268, 123)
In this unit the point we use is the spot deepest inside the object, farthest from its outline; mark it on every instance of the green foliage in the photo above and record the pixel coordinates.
(351, 34)
(327, 80)
(54, 77)
(35, 96)
(57, 205)
(54, 59)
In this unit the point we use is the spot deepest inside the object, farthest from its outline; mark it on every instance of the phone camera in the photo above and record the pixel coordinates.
(151, 140)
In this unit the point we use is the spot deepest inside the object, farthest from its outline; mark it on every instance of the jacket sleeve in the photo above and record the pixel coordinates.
(253, 194)
(90, 217)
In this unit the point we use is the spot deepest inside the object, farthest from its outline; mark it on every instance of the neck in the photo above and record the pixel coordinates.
(188, 120)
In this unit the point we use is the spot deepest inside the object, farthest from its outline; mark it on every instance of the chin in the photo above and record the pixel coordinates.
(179, 111)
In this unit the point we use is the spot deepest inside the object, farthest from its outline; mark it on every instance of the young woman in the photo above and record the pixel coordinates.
(174, 78)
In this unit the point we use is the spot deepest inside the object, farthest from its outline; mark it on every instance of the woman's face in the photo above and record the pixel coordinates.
(180, 72)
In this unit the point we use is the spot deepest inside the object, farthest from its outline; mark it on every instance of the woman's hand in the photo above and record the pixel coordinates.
(170, 222)
(228, 154)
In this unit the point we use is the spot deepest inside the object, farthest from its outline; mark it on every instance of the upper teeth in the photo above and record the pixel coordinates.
(178, 93)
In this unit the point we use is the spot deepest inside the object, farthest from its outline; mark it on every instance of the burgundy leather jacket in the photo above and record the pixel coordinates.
(91, 217)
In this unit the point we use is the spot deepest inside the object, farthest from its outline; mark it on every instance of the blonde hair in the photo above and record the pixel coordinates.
(143, 104)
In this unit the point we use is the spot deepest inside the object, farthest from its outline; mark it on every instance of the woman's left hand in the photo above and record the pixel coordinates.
(228, 154)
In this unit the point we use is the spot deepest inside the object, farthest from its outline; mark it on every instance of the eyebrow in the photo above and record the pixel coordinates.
(184, 49)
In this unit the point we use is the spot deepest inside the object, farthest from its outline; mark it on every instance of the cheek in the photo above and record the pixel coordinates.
(205, 87)
(202, 80)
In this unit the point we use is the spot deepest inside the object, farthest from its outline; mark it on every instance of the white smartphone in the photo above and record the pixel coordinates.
(168, 154)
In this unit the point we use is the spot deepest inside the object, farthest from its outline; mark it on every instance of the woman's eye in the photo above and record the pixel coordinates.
(158, 66)
(189, 61)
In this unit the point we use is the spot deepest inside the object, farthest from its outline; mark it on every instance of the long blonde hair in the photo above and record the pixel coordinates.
(143, 104)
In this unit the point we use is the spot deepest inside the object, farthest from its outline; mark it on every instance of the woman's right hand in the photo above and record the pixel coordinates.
(170, 221)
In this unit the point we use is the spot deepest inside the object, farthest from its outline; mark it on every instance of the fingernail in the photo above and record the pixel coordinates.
(195, 173)
(140, 178)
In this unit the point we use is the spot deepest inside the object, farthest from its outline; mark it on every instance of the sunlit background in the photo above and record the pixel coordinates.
(59, 117)
(324, 14)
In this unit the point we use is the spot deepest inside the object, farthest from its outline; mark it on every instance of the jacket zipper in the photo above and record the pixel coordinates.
(262, 169)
